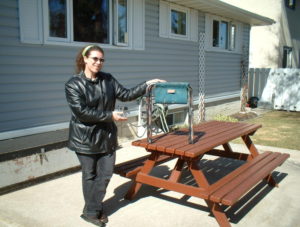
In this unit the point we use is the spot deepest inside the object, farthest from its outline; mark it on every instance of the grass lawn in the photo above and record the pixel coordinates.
(279, 129)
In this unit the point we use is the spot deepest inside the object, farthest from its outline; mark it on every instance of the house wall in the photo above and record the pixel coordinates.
(267, 42)
(32, 77)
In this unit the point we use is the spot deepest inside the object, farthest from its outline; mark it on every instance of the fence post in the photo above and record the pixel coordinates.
(256, 82)
(250, 83)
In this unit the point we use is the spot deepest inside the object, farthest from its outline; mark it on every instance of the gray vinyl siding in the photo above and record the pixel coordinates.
(32, 77)
(223, 71)
(222, 74)
(246, 34)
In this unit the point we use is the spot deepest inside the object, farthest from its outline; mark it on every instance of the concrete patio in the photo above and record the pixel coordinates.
(59, 202)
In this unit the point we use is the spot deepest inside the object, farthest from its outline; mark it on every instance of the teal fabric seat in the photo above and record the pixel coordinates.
(171, 93)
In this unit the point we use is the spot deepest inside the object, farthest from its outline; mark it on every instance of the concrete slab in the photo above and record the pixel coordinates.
(59, 202)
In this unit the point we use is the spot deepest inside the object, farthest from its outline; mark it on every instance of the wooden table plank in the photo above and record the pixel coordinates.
(221, 140)
(162, 146)
(243, 175)
(225, 180)
(240, 190)
(210, 135)
(200, 135)
(160, 139)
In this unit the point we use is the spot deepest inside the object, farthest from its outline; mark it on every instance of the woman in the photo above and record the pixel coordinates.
(92, 95)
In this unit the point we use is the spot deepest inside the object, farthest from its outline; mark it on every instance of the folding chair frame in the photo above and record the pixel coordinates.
(149, 113)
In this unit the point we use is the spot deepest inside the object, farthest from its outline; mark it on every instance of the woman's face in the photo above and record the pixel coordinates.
(94, 61)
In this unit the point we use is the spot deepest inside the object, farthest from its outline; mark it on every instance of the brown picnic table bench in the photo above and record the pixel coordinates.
(207, 136)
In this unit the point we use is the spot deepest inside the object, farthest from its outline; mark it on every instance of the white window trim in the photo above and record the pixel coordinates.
(209, 32)
(30, 13)
(116, 25)
(46, 24)
(235, 35)
(165, 9)
(188, 21)
(179, 123)
(135, 8)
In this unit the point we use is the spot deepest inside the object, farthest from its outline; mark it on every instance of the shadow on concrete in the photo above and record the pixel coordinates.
(213, 170)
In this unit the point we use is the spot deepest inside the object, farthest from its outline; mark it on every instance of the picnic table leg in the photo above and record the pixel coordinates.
(203, 183)
(254, 152)
(176, 173)
(149, 164)
(251, 147)
(228, 150)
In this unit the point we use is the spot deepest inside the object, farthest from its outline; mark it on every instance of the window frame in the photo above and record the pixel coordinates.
(173, 119)
(290, 5)
(165, 28)
(287, 57)
(69, 41)
(188, 21)
(231, 24)
(220, 34)
(47, 22)
(209, 19)
(116, 26)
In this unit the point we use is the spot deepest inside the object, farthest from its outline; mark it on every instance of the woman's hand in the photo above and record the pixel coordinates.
(155, 81)
(117, 116)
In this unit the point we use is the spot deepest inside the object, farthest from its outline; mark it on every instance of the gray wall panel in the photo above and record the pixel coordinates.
(9, 3)
(222, 73)
(8, 11)
(31, 96)
(9, 21)
(32, 77)
(34, 122)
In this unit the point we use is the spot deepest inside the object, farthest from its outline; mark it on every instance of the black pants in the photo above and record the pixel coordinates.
(97, 170)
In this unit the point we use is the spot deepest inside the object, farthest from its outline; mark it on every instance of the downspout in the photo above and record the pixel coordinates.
(201, 108)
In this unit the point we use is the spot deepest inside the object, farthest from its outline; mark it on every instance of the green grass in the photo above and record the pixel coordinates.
(279, 129)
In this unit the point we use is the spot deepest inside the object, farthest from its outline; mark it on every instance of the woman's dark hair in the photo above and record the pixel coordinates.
(80, 64)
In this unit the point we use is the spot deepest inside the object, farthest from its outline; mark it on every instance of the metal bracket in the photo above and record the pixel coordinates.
(44, 154)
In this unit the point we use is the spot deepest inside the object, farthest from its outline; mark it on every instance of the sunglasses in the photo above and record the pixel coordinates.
(98, 59)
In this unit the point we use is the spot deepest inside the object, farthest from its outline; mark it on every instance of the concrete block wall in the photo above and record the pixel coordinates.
(220, 107)
(125, 131)
(228, 108)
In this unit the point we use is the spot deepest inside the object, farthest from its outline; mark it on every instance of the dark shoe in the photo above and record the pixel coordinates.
(103, 218)
(92, 220)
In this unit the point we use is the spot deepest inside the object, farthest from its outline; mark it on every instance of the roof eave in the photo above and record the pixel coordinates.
(226, 10)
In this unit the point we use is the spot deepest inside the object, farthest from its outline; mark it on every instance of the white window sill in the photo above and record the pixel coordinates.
(79, 44)
(222, 51)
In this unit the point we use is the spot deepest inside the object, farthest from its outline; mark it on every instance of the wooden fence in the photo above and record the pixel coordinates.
(257, 79)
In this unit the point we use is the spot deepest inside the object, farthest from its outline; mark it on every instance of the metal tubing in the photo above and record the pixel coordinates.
(191, 126)
(149, 112)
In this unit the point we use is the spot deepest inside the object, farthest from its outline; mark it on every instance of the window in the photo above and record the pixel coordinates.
(222, 34)
(232, 37)
(290, 4)
(178, 22)
(58, 19)
(175, 118)
(287, 57)
(90, 21)
(80, 22)
(121, 24)
(221, 38)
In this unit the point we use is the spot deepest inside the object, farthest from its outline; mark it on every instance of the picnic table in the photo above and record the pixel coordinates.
(207, 136)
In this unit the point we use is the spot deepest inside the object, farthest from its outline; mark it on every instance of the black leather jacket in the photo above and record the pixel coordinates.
(92, 129)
